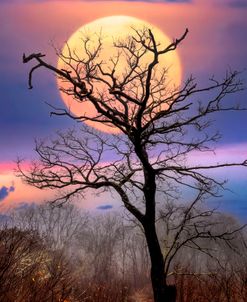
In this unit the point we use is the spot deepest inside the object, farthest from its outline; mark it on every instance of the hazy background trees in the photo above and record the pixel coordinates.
(66, 254)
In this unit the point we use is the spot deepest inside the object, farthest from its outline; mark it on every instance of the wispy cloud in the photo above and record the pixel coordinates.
(105, 207)
(5, 191)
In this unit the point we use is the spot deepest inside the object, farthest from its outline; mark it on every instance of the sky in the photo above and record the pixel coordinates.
(216, 42)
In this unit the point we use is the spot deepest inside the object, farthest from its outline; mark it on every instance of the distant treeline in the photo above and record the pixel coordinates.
(63, 254)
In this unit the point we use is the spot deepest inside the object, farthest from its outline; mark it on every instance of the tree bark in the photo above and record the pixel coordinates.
(161, 291)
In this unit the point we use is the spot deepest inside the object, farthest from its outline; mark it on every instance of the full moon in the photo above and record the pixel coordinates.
(110, 29)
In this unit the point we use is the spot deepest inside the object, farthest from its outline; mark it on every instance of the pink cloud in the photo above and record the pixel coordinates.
(10, 167)
(27, 194)
(6, 167)
(24, 193)
(234, 153)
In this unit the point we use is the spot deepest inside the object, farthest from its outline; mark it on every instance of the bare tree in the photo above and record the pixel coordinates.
(149, 154)
(58, 227)
(201, 278)
(22, 257)
(198, 228)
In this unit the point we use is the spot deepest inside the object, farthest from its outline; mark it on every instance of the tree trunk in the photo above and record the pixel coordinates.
(161, 291)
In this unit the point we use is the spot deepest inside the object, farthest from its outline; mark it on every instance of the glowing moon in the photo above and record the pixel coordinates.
(112, 29)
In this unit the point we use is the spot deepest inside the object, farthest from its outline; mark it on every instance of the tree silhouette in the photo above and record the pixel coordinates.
(158, 127)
